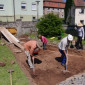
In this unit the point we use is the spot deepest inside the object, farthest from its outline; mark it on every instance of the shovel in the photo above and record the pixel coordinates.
(66, 64)
(34, 67)
(10, 71)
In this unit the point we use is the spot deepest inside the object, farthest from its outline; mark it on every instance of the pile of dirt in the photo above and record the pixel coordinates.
(48, 68)
(23, 38)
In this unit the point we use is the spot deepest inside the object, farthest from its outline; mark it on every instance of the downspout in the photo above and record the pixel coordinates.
(37, 10)
(14, 9)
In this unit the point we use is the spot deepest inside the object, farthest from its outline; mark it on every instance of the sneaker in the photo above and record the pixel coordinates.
(62, 64)
(44, 48)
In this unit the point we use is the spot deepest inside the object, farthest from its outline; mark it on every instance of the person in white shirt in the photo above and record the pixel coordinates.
(63, 47)
(80, 36)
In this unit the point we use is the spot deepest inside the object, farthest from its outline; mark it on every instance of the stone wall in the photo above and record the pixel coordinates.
(22, 27)
(26, 27)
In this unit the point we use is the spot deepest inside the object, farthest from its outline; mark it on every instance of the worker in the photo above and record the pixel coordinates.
(31, 47)
(80, 36)
(44, 41)
(63, 48)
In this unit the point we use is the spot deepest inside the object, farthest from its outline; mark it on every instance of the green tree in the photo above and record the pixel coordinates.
(68, 5)
(50, 25)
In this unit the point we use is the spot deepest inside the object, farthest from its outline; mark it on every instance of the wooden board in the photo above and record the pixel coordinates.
(10, 37)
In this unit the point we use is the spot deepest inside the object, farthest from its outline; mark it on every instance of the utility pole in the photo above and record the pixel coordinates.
(37, 9)
(14, 9)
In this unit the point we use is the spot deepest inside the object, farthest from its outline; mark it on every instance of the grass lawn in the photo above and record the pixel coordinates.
(55, 39)
(18, 77)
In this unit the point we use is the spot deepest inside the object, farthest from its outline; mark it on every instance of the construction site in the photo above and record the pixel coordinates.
(48, 68)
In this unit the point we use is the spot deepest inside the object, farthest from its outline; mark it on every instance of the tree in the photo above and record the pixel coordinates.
(68, 5)
(50, 25)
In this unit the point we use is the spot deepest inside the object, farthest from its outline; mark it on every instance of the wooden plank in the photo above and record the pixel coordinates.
(10, 37)
(19, 45)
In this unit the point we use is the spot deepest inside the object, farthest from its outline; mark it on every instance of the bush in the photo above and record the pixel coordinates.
(50, 25)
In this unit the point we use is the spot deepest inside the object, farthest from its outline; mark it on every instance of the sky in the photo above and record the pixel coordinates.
(64, 0)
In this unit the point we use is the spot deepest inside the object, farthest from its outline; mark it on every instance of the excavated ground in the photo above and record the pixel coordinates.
(48, 68)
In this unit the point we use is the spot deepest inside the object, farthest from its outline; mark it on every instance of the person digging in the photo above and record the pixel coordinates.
(31, 48)
(44, 41)
(63, 49)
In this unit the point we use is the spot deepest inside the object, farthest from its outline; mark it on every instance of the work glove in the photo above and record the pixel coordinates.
(82, 38)
(27, 53)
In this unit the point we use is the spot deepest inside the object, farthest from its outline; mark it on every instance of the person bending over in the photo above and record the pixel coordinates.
(63, 48)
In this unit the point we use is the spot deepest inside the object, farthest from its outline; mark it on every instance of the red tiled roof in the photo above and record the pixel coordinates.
(52, 4)
(79, 2)
(55, 1)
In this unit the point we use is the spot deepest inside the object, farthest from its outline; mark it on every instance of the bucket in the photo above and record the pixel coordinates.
(36, 50)
(13, 30)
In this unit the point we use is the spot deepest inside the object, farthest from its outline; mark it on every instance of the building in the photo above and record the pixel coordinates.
(27, 10)
(54, 6)
(77, 13)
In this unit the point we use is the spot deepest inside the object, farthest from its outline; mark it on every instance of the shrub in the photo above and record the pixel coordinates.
(50, 25)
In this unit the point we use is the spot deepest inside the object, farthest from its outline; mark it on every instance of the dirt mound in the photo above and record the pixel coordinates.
(23, 38)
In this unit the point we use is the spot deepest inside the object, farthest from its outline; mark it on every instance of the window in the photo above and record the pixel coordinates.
(53, 8)
(62, 16)
(58, 4)
(34, 18)
(23, 5)
(1, 7)
(82, 21)
(81, 11)
(48, 8)
(34, 6)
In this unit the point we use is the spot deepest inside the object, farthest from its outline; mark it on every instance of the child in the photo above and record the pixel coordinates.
(44, 41)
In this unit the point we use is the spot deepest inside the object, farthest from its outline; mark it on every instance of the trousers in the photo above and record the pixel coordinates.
(63, 57)
(44, 46)
(79, 43)
(29, 58)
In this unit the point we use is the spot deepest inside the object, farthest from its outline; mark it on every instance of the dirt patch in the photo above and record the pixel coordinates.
(48, 66)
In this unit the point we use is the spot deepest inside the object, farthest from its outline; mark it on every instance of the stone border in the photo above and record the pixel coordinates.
(74, 80)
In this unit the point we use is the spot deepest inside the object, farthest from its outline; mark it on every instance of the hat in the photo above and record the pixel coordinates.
(70, 37)
(80, 24)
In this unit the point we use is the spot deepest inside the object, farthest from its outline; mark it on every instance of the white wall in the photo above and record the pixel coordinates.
(79, 16)
(26, 14)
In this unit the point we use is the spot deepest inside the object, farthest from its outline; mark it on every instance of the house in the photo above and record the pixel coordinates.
(54, 6)
(77, 13)
(27, 10)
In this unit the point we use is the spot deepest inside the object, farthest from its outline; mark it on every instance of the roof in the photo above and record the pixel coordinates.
(79, 2)
(55, 1)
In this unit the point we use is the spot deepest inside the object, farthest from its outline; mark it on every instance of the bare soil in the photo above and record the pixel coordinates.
(48, 68)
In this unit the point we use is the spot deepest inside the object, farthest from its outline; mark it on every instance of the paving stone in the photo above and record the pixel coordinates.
(74, 80)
